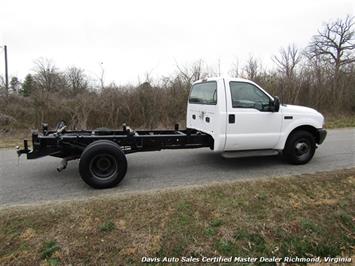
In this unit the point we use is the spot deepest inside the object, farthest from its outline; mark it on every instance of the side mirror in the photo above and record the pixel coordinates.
(276, 104)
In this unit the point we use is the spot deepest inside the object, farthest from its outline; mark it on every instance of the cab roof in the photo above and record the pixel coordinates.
(221, 78)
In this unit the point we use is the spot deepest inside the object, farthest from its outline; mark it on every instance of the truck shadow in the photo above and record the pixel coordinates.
(197, 164)
(255, 161)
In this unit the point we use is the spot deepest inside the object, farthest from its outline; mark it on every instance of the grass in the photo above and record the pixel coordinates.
(49, 248)
(15, 139)
(10, 142)
(340, 121)
(308, 215)
(107, 226)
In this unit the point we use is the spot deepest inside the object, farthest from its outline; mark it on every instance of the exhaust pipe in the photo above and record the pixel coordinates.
(62, 165)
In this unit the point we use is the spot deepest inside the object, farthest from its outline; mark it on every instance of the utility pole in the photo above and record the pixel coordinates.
(6, 72)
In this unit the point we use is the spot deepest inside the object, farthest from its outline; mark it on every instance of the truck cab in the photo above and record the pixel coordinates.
(243, 119)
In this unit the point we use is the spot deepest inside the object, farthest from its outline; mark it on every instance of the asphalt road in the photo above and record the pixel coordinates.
(34, 181)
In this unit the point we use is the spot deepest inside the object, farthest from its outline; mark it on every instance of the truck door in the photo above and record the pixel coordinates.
(251, 124)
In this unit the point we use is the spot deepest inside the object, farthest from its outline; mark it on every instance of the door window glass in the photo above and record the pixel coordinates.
(246, 95)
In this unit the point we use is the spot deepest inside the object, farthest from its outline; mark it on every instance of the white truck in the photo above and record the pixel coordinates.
(244, 120)
(234, 117)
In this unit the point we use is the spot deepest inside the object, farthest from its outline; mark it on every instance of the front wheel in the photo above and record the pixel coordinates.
(300, 147)
(102, 164)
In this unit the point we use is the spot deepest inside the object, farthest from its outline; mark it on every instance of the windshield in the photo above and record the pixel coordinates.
(204, 93)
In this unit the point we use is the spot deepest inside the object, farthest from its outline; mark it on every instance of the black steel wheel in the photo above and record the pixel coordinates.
(300, 147)
(103, 164)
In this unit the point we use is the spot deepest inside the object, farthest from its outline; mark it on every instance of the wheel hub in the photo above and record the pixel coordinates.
(103, 163)
(302, 148)
(103, 166)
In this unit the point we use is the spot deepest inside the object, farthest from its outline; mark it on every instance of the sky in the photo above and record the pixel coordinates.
(129, 39)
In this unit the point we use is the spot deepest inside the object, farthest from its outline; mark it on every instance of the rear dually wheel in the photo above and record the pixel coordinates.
(103, 164)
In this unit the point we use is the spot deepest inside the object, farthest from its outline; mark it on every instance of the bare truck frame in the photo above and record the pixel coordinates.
(102, 152)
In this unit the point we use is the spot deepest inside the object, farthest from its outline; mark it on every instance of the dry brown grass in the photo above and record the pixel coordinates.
(340, 121)
(14, 138)
(308, 215)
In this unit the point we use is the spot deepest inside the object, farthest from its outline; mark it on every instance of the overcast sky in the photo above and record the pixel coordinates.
(134, 37)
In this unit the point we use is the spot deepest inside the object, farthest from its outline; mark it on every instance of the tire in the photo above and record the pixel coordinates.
(102, 164)
(300, 147)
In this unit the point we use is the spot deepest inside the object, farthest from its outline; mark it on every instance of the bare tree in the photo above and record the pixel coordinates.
(235, 70)
(2, 85)
(287, 60)
(47, 76)
(84, 105)
(286, 63)
(334, 43)
(252, 68)
(76, 79)
(102, 75)
(194, 72)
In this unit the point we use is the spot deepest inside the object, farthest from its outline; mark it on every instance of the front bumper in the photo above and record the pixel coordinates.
(322, 133)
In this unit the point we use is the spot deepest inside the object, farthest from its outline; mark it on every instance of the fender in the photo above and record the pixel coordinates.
(285, 132)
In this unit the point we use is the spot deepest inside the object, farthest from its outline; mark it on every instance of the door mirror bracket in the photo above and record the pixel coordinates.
(275, 104)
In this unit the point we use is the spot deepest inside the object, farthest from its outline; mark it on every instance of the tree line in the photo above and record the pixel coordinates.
(321, 75)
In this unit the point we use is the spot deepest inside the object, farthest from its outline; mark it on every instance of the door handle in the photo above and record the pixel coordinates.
(231, 119)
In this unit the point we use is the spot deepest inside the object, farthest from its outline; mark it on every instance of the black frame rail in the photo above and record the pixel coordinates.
(71, 143)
